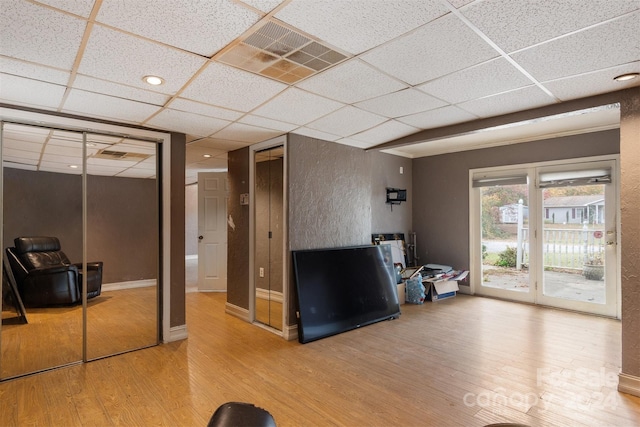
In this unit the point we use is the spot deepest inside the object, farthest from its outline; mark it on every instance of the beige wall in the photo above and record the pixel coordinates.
(191, 219)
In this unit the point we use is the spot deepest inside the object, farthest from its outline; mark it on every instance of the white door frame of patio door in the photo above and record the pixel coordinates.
(611, 306)
(535, 293)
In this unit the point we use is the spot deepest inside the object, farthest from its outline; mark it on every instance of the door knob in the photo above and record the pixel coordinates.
(200, 237)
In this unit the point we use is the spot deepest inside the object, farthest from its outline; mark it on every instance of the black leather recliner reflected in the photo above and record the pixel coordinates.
(45, 276)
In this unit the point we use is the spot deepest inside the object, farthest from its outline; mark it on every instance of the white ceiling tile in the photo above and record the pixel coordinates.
(204, 109)
(610, 44)
(59, 150)
(250, 119)
(438, 48)
(494, 76)
(107, 107)
(246, 133)
(115, 89)
(354, 143)
(181, 121)
(595, 83)
(401, 103)
(516, 100)
(221, 144)
(17, 165)
(514, 25)
(387, 131)
(230, 87)
(94, 163)
(444, 116)
(459, 3)
(109, 55)
(313, 133)
(20, 156)
(39, 34)
(137, 173)
(195, 153)
(21, 91)
(79, 7)
(20, 145)
(199, 27)
(347, 121)
(297, 106)
(264, 5)
(65, 160)
(19, 133)
(357, 26)
(58, 168)
(350, 82)
(33, 71)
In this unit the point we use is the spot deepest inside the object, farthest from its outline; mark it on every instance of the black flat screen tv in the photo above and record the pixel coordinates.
(341, 289)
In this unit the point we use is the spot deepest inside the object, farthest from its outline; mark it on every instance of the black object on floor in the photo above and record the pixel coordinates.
(240, 414)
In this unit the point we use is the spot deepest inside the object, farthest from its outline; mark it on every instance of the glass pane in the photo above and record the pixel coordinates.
(122, 245)
(573, 243)
(505, 237)
(269, 236)
(42, 197)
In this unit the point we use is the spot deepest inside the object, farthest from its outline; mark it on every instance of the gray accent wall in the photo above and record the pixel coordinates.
(441, 188)
(385, 172)
(238, 236)
(122, 229)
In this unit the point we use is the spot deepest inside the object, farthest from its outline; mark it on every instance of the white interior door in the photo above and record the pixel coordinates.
(212, 231)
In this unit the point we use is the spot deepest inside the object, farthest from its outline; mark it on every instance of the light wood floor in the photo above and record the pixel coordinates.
(467, 361)
(117, 321)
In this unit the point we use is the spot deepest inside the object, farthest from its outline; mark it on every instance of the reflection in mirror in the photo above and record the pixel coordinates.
(269, 237)
(42, 196)
(122, 236)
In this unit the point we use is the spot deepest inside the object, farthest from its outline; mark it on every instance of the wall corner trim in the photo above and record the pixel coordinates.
(629, 384)
(176, 333)
(239, 312)
(290, 332)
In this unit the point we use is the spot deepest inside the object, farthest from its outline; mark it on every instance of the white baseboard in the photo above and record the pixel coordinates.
(629, 384)
(176, 333)
(274, 296)
(239, 312)
(118, 286)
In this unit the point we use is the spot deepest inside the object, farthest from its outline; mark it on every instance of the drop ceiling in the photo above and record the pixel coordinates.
(355, 72)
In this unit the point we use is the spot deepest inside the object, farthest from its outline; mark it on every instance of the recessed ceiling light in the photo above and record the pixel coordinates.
(73, 166)
(625, 77)
(206, 156)
(153, 80)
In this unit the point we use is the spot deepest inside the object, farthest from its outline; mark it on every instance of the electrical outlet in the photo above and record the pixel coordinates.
(261, 273)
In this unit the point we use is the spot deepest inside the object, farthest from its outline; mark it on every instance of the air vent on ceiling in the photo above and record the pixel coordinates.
(281, 53)
(120, 155)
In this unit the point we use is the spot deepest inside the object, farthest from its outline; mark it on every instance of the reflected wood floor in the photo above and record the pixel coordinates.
(117, 321)
(466, 361)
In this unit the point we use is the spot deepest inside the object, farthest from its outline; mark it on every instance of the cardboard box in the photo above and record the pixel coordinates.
(441, 289)
(401, 292)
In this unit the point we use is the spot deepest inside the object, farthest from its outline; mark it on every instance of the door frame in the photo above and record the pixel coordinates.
(287, 332)
(535, 225)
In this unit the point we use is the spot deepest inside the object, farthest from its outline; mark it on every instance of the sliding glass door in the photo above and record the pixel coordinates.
(546, 234)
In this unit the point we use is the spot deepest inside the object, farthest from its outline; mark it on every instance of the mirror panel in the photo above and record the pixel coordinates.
(42, 196)
(269, 238)
(121, 239)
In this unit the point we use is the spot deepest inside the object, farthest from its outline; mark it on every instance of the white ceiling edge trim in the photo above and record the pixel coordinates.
(491, 144)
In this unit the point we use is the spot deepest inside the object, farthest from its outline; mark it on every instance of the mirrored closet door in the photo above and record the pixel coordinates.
(80, 233)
